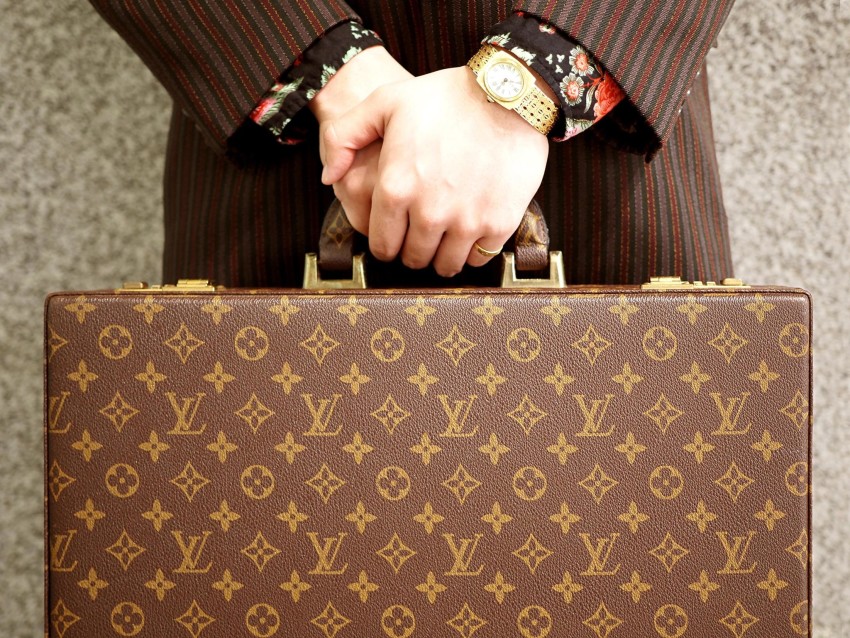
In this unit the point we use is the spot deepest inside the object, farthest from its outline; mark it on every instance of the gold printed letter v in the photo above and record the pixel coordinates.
(321, 414)
(186, 410)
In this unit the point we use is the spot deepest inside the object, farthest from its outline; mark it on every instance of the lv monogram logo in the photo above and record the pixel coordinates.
(185, 411)
(327, 554)
(462, 553)
(599, 554)
(458, 413)
(736, 553)
(59, 550)
(54, 411)
(593, 415)
(730, 413)
(191, 552)
(321, 415)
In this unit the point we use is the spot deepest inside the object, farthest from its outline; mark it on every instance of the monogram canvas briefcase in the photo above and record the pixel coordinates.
(530, 462)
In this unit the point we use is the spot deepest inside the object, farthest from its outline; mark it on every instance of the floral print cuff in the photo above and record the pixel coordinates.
(585, 90)
(277, 110)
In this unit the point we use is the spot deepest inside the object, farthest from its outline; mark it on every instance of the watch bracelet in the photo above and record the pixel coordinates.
(477, 61)
(541, 114)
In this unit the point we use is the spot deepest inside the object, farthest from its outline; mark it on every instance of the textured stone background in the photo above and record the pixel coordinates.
(82, 131)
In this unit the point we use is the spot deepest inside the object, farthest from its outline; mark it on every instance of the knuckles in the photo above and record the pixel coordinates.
(394, 193)
(381, 249)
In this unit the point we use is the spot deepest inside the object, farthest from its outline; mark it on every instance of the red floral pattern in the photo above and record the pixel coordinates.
(586, 91)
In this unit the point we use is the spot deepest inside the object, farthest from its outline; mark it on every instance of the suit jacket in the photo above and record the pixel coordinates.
(618, 217)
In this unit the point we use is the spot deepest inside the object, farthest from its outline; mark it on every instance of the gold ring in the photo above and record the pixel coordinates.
(486, 253)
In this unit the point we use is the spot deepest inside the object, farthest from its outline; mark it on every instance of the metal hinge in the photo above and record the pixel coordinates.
(183, 285)
(676, 283)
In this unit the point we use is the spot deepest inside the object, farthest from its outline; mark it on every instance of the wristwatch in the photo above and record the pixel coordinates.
(509, 83)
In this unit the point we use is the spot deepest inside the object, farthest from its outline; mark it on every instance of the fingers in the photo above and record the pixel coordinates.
(458, 247)
(484, 249)
(344, 136)
(422, 241)
(452, 254)
(388, 219)
(354, 190)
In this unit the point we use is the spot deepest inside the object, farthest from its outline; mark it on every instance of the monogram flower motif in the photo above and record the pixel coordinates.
(398, 622)
(86, 445)
(360, 517)
(262, 620)
(431, 588)
(195, 619)
(156, 515)
(524, 345)
(90, 515)
(702, 517)
(227, 585)
(499, 588)
(659, 343)
(295, 586)
(393, 483)
(160, 585)
(794, 340)
(534, 622)
(387, 345)
(703, 586)
(671, 621)
(636, 587)
(428, 518)
(363, 587)
(257, 482)
(122, 480)
(127, 619)
(666, 482)
(529, 483)
(115, 342)
(251, 343)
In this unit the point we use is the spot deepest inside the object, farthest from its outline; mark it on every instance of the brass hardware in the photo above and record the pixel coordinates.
(313, 281)
(556, 273)
(676, 283)
(183, 285)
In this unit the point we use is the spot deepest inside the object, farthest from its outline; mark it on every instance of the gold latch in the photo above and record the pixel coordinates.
(182, 286)
(676, 283)
(556, 273)
(313, 280)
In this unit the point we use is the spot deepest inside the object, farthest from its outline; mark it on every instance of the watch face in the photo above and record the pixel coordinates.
(504, 80)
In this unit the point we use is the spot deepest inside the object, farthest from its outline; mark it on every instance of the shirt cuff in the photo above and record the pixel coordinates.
(585, 90)
(280, 112)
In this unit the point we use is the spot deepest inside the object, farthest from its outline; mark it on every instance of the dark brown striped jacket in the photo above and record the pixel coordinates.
(617, 217)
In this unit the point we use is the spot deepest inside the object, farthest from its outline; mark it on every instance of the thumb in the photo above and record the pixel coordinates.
(346, 135)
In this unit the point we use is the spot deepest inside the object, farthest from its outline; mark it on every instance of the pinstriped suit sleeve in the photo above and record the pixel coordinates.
(653, 48)
(217, 58)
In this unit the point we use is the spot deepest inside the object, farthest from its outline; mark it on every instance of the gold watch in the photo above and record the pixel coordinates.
(509, 83)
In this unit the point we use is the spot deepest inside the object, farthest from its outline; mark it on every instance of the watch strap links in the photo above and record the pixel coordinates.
(541, 114)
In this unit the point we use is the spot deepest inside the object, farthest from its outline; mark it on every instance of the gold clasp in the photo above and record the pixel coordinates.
(677, 283)
(183, 285)
(314, 281)
(556, 273)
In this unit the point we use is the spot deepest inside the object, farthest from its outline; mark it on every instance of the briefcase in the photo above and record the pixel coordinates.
(532, 460)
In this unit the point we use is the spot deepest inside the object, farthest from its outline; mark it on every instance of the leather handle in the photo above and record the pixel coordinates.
(530, 242)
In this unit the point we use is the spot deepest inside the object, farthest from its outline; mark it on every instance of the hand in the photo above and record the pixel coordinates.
(368, 70)
(453, 170)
